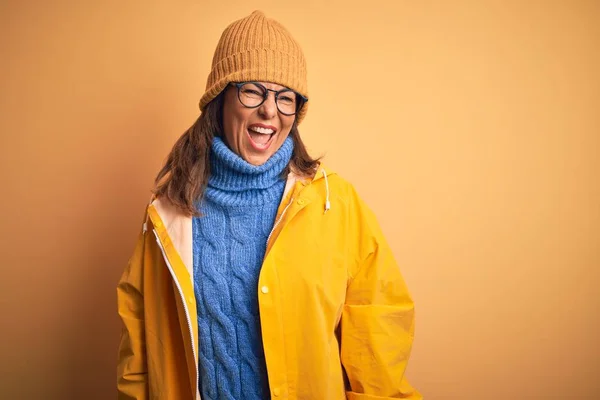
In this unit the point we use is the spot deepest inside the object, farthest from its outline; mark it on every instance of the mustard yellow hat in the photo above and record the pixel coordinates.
(257, 48)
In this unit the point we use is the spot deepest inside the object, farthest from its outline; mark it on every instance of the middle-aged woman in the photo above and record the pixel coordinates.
(259, 273)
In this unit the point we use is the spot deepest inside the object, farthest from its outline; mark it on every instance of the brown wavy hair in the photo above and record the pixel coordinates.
(185, 174)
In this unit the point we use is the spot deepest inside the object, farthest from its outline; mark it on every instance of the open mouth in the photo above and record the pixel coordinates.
(261, 136)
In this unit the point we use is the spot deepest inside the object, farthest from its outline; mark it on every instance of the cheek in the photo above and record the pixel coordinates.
(233, 124)
(286, 127)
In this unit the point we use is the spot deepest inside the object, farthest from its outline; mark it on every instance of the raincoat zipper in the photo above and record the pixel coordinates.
(185, 309)
(279, 220)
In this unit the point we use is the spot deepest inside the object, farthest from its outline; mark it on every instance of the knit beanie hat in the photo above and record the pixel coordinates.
(257, 48)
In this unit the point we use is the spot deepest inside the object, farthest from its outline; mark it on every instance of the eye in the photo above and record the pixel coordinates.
(253, 92)
(287, 98)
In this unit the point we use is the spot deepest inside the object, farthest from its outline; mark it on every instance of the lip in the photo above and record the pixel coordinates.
(257, 146)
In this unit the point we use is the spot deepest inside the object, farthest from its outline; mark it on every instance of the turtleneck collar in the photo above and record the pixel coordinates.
(235, 182)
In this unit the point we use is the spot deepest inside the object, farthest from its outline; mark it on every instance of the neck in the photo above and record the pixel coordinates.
(234, 181)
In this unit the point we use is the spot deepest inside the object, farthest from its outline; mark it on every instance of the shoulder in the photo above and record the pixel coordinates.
(340, 188)
(162, 211)
(328, 184)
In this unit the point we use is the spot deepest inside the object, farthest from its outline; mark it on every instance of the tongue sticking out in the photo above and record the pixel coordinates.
(259, 138)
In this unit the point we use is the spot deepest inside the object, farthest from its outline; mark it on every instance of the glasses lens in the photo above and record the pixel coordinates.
(287, 102)
(251, 95)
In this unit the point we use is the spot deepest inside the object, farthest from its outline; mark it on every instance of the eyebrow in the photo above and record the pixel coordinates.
(277, 90)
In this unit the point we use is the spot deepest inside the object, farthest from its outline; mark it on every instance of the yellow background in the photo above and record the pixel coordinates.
(472, 129)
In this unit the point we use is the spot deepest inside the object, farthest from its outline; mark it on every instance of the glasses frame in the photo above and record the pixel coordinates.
(301, 99)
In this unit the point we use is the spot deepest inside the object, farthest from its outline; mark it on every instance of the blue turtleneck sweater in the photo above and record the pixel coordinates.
(229, 243)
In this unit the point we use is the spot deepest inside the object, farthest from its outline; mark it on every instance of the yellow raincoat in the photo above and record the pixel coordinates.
(336, 317)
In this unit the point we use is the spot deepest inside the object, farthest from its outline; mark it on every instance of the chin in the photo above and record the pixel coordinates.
(257, 160)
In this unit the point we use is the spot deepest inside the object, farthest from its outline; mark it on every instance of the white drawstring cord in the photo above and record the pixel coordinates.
(327, 203)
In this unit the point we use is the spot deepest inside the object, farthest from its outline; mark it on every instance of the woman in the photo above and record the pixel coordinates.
(259, 273)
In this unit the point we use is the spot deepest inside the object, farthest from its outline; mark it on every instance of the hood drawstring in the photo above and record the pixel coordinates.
(327, 203)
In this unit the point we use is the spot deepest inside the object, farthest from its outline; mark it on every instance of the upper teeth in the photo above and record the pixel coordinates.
(265, 131)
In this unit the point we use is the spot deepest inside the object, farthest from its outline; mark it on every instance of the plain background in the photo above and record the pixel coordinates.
(472, 129)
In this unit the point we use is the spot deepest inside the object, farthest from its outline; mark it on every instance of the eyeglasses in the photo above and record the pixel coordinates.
(253, 95)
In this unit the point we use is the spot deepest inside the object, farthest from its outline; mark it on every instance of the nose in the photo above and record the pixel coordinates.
(268, 109)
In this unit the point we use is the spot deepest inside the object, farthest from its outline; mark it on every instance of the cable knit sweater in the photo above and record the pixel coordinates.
(229, 243)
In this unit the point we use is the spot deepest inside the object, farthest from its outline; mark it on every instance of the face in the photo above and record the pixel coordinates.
(255, 134)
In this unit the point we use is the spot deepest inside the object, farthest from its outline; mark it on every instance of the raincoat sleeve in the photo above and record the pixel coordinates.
(132, 380)
(377, 324)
